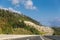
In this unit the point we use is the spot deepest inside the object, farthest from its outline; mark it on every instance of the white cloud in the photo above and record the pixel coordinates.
(15, 2)
(28, 4)
(1, 7)
(10, 9)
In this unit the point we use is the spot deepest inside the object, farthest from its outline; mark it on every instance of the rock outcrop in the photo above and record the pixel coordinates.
(42, 29)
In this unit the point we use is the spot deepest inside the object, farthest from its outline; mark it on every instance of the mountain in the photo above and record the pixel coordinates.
(17, 23)
(55, 23)
(56, 30)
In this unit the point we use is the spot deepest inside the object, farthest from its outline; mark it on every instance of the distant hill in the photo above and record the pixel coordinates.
(17, 23)
(56, 30)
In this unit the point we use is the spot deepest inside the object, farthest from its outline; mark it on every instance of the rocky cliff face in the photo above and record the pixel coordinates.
(42, 29)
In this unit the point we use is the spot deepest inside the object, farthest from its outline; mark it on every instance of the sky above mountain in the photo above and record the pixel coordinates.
(44, 11)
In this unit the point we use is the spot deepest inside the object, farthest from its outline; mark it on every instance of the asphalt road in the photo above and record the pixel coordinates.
(39, 38)
(53, 37)
(31, 37)
(20, 37)
(28, 38)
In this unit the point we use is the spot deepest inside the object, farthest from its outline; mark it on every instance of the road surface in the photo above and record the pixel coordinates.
(57, 37)
(20, 37)
(28, 37)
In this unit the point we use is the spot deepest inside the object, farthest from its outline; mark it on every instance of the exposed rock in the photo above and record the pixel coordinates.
(43, 29)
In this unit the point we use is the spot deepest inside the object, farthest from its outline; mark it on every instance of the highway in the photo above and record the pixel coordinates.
(57, 37)
(28, 37)
(20, 37)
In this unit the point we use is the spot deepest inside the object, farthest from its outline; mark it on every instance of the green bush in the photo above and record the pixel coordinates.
(56, 30)
(33, 30)
(7, 29)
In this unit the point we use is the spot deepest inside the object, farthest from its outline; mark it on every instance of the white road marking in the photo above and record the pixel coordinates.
(27, 39)
(42, 38)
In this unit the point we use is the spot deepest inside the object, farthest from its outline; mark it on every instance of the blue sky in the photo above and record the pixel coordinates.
(44, 11)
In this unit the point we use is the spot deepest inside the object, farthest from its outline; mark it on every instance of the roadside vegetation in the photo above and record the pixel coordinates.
(10, 24)
(56, 30)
